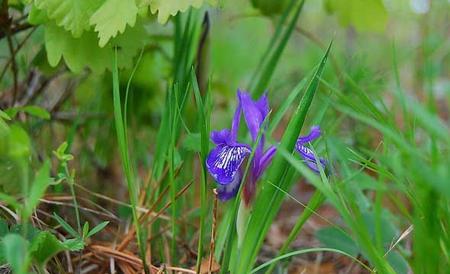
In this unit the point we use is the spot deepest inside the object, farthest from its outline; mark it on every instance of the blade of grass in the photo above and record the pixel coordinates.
(124, 155)
(269, 198)
(269, 68)
(231, 231)
(273, 41)
(309, 250)
(314, 203)
(203, 124)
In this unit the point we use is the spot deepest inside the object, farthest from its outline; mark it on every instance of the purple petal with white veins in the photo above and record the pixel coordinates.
(226, 192)
(224, 161)
(310, 158)
(305, 152)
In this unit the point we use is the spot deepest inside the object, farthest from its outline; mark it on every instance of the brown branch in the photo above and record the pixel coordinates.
(13, 67)
(14, 30)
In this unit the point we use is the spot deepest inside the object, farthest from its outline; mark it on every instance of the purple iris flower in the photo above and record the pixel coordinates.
(225, 161)
(306, 153)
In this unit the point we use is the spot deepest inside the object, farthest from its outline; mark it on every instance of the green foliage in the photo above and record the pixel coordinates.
(112, 18)
(364, 15)
(36, 247)
(44, 247)
(84, 51)
(269, 7)
(15, 150)
(336, 238)
(166, 8)
(41, 181)
(12, 245)
(72, 15)
(35, 111)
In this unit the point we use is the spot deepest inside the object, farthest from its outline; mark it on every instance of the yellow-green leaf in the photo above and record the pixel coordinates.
(166, 8)
(82, 52)
(112, 18)
(364, 15)
(73, 15)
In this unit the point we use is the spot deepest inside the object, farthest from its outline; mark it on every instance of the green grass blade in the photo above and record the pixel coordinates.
(269, 68)
(203, 122)
(310, 250)
(315, 202)
(270, 198)
(124, 155)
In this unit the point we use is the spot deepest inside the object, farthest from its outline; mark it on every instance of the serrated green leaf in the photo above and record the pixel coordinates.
(45, 246)
(12, 245)
(166, 8)
(82, 52)
(72, 15)
(368, 15)
(97, 228)
(37, 16)
(112, 18)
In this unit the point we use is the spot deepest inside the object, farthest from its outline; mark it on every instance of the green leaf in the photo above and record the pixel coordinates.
(74, 244)
(37, 16)
(192, 142)
(112, 18)
(31, 110)
(270, 7)
(367, 15)
(66, 226)
(85, 230)
(15, 249)
(15, 151)
(45, 246)
(28, 231)
(332, 237)
(97, 229)
(37, 112)
(19, 143)
(40, 184)
(4, 116)
(4, 229)
(166, 8)
(269, 197)
(72, 15)
(82, 52)
(397, 261)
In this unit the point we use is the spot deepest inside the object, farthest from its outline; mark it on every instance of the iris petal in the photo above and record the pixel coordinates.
(220, 137)
(313, 134)
(310, 158)
(254, 112)
(306, 153)
(224, 161)
(226, 192)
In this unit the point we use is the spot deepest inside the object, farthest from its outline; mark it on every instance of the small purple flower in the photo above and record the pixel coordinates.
(225, 161)
(306, 153)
